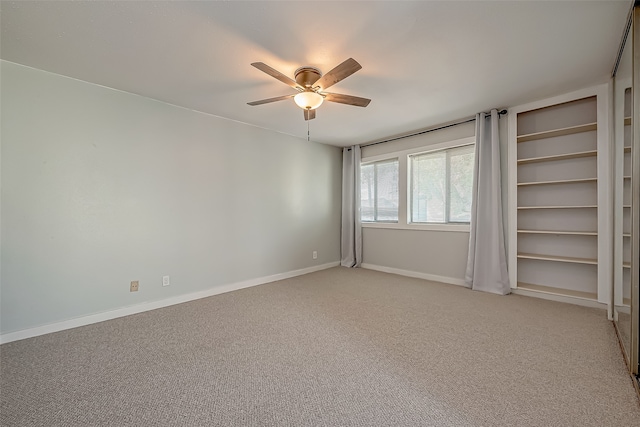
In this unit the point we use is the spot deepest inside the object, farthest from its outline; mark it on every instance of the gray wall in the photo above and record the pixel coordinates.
(101, 187)
(439, 253)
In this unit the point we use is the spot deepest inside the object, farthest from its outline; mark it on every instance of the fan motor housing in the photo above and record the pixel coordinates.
(307, 76)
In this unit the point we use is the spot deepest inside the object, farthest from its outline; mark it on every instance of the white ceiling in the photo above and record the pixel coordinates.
(424, 63)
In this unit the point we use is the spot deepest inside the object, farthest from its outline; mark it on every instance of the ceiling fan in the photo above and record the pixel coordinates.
(311, 86)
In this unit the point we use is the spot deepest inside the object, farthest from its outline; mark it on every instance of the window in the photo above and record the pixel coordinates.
(441, 186)
(379, 191)
(427, 187)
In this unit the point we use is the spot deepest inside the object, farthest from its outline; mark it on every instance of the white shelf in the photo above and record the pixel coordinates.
(561, 181)
(558, 258)
(558, 132)
(565, 233)
(558, 291)
(590, 153)
(558, 207)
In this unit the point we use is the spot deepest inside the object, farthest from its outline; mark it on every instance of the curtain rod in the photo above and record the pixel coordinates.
(471, 119)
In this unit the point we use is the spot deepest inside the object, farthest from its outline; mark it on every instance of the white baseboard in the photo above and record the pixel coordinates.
(152, 305)
(560, 298)
(460, 282)
(415, 274)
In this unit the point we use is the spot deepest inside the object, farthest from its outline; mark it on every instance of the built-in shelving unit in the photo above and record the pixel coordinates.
(623, 144)
(556, 197)
(626, 229)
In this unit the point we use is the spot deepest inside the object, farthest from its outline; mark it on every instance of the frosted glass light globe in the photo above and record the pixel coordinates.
(308, 100)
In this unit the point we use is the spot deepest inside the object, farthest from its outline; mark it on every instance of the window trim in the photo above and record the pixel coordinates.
(404, 188)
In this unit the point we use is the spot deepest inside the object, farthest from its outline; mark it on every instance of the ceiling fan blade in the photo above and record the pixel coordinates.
(276, 74)
(309, 114)
(266, 101)
(341, 72)
(346, 99)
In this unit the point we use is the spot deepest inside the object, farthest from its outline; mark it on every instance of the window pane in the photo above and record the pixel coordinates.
(387, 186)
(379, 191)
(367, 193)
(428, 187)
(460, 184)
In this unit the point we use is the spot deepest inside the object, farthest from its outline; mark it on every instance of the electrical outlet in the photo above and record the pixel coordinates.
(165, 281)
(315, 254)
(134, 286)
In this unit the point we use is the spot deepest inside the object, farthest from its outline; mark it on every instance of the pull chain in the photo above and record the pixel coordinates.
(308, 130)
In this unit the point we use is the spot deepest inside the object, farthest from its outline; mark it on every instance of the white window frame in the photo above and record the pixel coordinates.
(404, 187)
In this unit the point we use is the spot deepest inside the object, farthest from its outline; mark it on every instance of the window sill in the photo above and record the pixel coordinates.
(464, 228)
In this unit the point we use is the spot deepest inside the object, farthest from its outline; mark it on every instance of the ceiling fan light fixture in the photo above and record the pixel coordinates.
(308, 100)
(310, 84)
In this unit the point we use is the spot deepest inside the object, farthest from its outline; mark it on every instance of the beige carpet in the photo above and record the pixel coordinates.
(341, 347)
